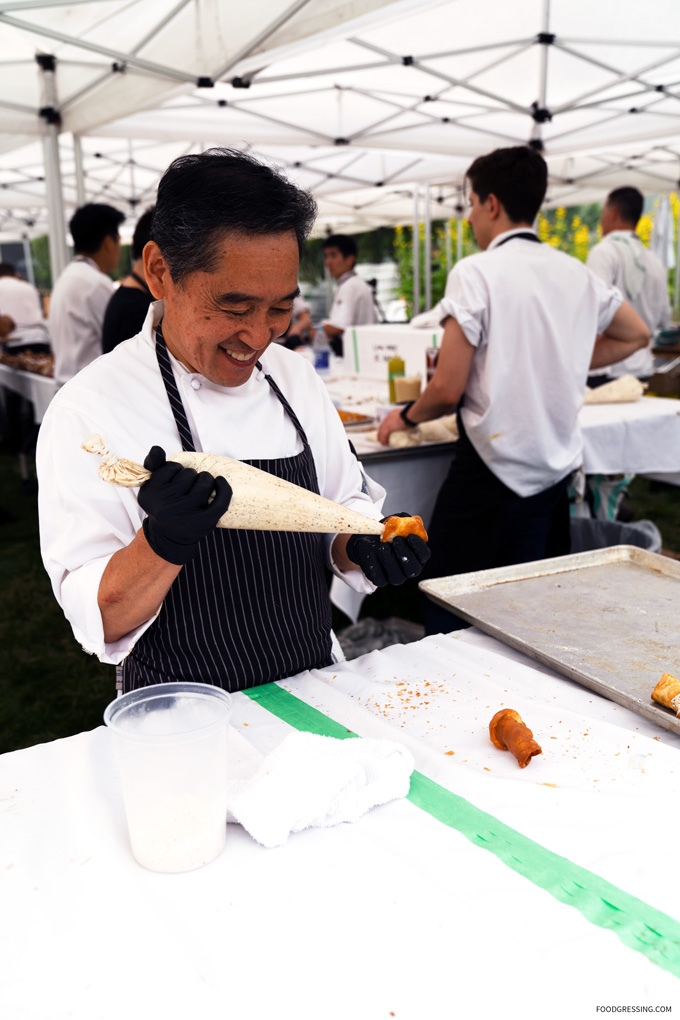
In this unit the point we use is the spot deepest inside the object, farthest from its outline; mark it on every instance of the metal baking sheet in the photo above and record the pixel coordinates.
(609, 619)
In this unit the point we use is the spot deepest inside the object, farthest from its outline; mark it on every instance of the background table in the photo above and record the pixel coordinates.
(636, 438)
(399, 914)
(39, 389)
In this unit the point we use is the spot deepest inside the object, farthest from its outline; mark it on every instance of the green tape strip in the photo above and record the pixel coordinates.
(638, 925)
(356, 351)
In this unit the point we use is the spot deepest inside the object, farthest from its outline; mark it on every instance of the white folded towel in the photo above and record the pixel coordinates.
(313, 781)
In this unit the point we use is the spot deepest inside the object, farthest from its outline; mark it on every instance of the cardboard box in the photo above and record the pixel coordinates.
(367, 349)
(665, 384)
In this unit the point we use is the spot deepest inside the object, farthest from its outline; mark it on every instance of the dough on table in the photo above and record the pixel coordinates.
(624, 390)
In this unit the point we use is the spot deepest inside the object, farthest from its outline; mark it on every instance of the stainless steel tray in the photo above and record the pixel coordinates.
(609, 619)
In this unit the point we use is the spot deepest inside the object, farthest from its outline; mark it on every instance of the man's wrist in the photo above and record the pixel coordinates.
(403, 414)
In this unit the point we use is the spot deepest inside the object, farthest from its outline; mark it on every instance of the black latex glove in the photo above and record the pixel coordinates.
(176, 500)
(388, 562)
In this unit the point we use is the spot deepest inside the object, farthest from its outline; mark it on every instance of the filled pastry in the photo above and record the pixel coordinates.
(667, 692)
(404, 526)
(509, 733)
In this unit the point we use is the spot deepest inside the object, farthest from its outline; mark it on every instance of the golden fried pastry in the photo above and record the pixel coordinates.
(404, 526)
(667, 692)
(508, 733)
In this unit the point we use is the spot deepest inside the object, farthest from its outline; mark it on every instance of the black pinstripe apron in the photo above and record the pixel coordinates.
(251, 606)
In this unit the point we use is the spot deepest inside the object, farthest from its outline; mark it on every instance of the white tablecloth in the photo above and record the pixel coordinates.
(639, 438)
(395, 915)
(39, 389)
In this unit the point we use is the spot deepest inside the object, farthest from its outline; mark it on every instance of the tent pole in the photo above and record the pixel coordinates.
(55, 198)
(28, 259)
(415, 249)
(676, 282)
(459, 238)
(427, 253)
(449, 253)
(80, 174)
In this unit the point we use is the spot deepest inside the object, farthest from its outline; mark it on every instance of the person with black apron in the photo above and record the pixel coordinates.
(146, 579)
(126, 311)
(520, 325)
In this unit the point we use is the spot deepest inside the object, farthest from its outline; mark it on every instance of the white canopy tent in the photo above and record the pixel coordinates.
(74, 66)
(362, 102)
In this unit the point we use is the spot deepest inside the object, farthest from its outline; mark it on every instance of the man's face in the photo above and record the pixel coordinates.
(608, 218)
(336, 263)
(218, 324)
(480, 220)
(110, 249)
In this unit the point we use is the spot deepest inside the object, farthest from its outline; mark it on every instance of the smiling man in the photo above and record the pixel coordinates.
(145, 578)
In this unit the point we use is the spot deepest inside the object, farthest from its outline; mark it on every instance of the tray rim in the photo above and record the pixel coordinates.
(481, 580)
(478, 580)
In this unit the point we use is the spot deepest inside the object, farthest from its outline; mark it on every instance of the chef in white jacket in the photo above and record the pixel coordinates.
(622, 260)
(353, 302)
(146, 579)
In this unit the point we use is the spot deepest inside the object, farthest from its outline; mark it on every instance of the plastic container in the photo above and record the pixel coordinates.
(322, 353)
(171, 745)
(587, 533)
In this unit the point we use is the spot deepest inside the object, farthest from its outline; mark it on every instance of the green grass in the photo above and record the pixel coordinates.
(50, 688)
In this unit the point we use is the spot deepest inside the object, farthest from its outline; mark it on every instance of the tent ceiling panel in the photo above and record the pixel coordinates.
(614, 20)
(478, 75)
(457, 25)
(157, 46)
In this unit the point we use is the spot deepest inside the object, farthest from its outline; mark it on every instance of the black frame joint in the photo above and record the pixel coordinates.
(541, 114)
(50, 114)
(46, 61)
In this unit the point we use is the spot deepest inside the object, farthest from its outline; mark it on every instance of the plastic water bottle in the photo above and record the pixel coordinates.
(322, 353)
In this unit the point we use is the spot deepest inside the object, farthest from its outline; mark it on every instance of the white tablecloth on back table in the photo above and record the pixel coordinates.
(39, 389)
(395, 915)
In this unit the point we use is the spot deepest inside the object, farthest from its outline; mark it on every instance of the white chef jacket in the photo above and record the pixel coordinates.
(532, 313)
(353, 303)
(121, 397)
(21, 301)
(77, 307)
(652, 303)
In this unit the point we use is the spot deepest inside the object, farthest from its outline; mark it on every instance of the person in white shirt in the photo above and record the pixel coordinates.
(21, 301)
(520, 326)
(621, 259)
(144, 576)
(21, 305)
(353, 303)
(301, 330)
(82, 292)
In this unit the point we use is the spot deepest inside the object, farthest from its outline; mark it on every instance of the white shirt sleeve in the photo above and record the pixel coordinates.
(83, 522)
(609, 300)
(466, 300)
